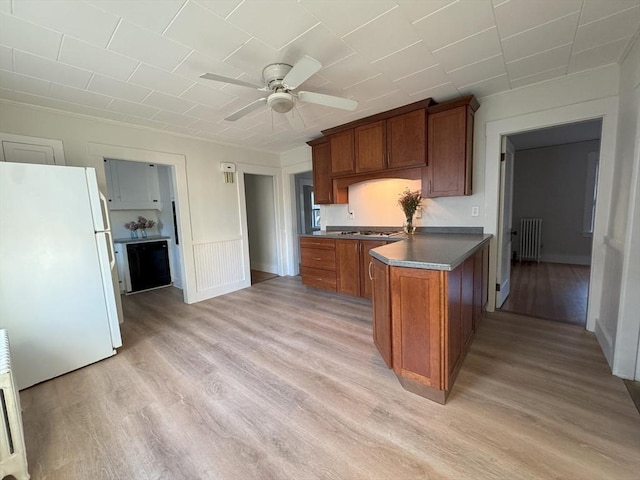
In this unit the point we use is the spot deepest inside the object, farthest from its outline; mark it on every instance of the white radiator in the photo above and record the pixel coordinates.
(531, 239)
(13, 456)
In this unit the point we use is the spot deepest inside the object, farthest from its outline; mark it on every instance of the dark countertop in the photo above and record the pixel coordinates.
(430, 251)
(150, 238)
(337, 234)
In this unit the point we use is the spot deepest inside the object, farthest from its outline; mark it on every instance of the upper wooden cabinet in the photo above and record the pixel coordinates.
(450, 149)
(370, 145)
(406, 137)
(321, 161)
(342, 153)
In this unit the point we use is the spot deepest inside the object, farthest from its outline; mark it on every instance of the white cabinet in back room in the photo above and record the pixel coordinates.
(132, 185)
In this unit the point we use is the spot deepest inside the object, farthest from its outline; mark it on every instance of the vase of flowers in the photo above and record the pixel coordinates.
(143, 224)
(410, 202)
(133, 229)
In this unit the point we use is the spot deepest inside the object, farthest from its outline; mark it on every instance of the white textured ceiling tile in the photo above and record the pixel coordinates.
(57, 72)
(319, 43)
(349, 71)
(344, 17)
(156, 79)
(5, 6)
(222, 8)
(517, 16)
(417, 9)
(370, 89)
(168, 102)
(78, 19)
(541, 62)
(144, 122)
(614, 27)
(390, 100)
(478, 72)
(535, 40)
(150, 14)
(77, 95)
(174, 119)
(246, 93)
(25, 36)
(369, 42)
(22, 83)
(205, 113)
(147, 46)
(210, 128)
(597, 9)
(84, 55)
(456, 21)
(276, 22)
(252, 57)
(539, 77)
(91, 112)
(407, 61)
(422, 80)
(439, 93)
(196, 64)
(208, 96)
(116, 88)
(6, 58)
(181, 130)
(595, 57)
(470, 50)
(130, 108)
(486, 87)
(199, 28)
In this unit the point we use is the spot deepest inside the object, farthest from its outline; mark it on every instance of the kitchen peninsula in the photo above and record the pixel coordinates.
(429, 294)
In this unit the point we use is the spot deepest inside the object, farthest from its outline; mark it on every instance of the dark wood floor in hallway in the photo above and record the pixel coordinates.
(280, 382)
(553, 291)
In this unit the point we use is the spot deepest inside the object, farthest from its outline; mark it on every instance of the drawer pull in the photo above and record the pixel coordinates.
(317, 258)
(370, 265)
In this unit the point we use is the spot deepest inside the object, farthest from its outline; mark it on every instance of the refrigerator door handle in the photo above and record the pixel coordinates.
(105, 214)
(112, 255)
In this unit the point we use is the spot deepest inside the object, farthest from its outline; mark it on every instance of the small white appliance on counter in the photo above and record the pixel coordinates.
(57, 299)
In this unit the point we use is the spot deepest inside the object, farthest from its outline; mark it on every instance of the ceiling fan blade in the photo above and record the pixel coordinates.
(235, 81)
(301, 71)
(244, 110)
(328, 100)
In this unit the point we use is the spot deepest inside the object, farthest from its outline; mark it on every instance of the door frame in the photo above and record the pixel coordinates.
(506, 165)
(607, 110)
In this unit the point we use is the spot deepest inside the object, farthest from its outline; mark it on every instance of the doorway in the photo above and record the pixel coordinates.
(547, 221)
(259, 193)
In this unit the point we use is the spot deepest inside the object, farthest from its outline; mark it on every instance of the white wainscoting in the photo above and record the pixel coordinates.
(220, 268)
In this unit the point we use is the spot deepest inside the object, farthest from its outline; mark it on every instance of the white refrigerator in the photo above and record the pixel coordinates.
(57, 299)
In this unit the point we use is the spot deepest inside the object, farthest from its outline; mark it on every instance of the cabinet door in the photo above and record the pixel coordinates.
(454, 321)
(342, 153)
(406, 140)
(467, 301)
(370, 144)
(382, 310)
(449, 152)
(416, 315)
(133, 185)
(348, 267)
(366, 283)
(321, 159)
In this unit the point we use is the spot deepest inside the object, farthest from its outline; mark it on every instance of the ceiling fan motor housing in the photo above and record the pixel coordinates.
(281, 102)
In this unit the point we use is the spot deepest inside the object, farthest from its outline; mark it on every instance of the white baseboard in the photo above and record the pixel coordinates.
(605, 341)
(222, 290)
(570, 259)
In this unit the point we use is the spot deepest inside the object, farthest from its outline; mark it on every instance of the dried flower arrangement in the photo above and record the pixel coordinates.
(410, 202)
(142, 224)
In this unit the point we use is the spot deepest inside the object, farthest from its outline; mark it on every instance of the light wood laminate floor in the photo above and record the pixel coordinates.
(282, 382)
(553, 291)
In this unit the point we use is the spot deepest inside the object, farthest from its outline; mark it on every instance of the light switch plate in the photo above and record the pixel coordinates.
(475, 211)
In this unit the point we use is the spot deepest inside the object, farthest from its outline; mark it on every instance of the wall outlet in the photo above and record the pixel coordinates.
(352, 215)
(475, 211)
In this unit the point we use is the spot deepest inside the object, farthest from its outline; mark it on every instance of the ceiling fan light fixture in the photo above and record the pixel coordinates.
(281, 102)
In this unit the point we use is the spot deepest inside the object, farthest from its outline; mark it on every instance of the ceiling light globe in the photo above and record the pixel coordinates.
(280, 102)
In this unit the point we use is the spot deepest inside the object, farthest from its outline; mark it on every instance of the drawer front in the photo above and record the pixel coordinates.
(321, 258)
(317, 278)
(317, 242)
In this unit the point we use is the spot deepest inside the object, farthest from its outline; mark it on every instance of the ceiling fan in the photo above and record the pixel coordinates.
(280, 79)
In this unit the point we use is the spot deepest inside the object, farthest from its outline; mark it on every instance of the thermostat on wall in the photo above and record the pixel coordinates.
(228, 167)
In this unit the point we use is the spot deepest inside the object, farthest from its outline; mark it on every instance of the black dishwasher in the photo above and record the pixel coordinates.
(148, 265)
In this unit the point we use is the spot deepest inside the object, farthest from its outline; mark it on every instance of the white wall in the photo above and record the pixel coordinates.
(621, 318)
(209, 209)
(550, 183)
(261, 222)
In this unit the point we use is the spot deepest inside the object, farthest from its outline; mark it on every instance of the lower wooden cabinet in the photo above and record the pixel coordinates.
(424, 321)
(318, 262)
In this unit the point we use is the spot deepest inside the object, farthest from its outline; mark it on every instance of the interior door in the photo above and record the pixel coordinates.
(504, 229)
